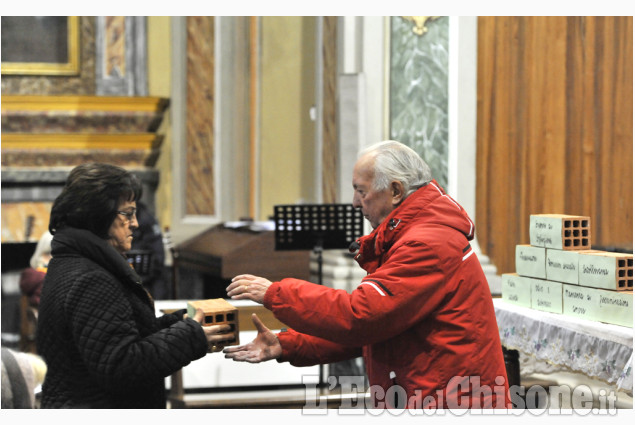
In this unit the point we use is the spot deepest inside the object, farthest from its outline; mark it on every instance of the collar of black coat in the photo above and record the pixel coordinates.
(70, 240)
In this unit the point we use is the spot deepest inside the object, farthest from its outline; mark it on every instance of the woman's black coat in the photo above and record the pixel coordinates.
(98, 333)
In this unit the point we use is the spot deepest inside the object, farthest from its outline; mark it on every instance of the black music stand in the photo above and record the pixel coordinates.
(317, 227)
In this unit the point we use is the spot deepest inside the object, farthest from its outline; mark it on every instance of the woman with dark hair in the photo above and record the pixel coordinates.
(97, 330)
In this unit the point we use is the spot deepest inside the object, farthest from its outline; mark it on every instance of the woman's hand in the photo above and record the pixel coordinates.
(215, 334)
(265, 347)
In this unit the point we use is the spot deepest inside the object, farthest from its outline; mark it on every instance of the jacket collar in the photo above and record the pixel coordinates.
(430, 205)
(379, 240)
(70, 240)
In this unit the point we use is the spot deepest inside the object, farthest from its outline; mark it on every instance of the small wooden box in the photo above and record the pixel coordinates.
(217, 312)
(559, 231)
(606, 270)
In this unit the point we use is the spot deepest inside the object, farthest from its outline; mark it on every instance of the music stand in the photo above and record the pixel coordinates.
(317, 227)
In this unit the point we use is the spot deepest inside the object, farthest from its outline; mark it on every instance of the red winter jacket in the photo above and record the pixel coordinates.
(422, 318)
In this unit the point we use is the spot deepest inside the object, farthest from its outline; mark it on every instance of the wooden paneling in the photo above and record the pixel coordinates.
(200, 116)
(329, 114)
(555, 128)
(254, 52)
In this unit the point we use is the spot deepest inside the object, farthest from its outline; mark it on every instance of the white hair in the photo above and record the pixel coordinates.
(395, 161)
(43, 247)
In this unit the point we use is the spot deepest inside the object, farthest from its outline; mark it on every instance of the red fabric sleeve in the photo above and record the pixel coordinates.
(402, 292)
(305, 350)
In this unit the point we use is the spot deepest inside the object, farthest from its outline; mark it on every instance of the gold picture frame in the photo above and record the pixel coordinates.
(68, 65)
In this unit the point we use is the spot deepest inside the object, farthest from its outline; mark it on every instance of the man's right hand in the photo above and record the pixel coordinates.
(264, 347)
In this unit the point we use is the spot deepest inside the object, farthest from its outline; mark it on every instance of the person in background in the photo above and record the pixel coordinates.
(32, 277)
(22, 375)
(422, 318)
(148, 238)
(31, 281)
(97, 331)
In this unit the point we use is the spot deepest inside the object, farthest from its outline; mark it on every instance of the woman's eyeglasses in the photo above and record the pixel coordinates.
(129, 214)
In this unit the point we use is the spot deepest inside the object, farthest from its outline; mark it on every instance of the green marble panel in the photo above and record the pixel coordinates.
(419, 91)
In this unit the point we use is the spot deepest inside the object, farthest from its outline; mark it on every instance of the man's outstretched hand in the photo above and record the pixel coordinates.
(248, 287)
(264, 347)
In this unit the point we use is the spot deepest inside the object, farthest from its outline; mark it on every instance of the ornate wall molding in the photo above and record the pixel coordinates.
(44, 137)
(121, 55)
(55, 131)
(420, 23)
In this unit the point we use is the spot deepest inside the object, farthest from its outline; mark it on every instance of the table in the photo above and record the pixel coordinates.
(214, 372)
(598, 350)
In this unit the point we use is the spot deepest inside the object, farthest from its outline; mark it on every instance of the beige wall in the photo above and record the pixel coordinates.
(286, 160)
(287, 134)
(159, 83)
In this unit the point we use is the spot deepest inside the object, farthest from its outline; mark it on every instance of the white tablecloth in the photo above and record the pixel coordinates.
(598, 350)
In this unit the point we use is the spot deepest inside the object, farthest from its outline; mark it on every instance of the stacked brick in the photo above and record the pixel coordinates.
(217, 311)
(558, 272)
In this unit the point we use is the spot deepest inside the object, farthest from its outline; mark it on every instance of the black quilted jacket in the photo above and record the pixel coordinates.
(98, 333)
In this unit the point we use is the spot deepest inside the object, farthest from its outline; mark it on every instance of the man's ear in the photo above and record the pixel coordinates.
(397, 191)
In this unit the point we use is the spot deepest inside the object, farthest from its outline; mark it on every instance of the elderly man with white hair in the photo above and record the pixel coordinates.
(423, 317)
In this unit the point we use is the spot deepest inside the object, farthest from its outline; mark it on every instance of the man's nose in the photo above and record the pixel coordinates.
(356, 203)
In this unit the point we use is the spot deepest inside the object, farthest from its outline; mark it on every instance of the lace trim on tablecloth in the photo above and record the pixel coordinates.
(541, 335)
